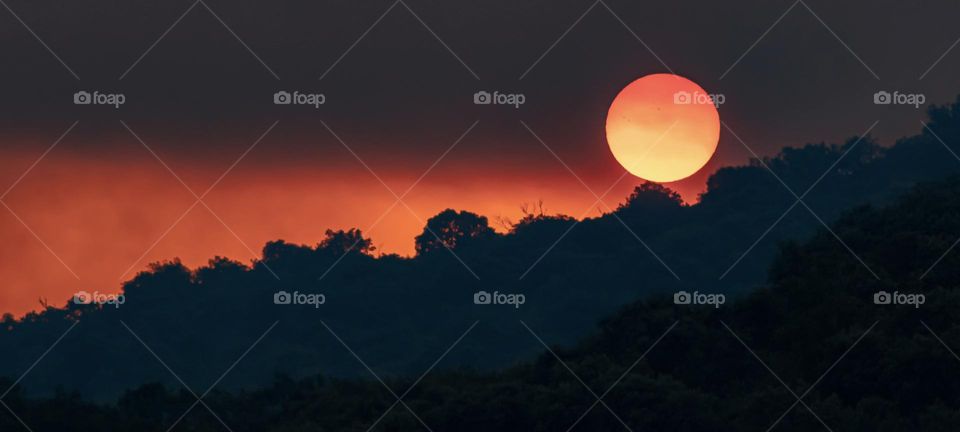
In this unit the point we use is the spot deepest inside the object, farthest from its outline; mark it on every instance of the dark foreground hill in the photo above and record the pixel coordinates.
(401, 314)
(810, 351)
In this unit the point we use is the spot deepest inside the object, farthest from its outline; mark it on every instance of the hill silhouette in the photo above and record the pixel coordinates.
(810, 349)
(400, 314)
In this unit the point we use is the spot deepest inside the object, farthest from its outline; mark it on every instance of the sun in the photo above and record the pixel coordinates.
(663, 127)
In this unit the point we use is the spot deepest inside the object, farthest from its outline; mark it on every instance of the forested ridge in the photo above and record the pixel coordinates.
(799, 300)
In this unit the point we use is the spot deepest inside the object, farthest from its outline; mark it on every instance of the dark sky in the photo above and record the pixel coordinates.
(810, 78)
(399, 88)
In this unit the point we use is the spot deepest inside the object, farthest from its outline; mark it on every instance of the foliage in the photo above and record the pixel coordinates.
(401, 314)
(813, 333)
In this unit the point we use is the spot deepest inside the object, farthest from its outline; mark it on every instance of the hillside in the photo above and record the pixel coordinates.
(400, 314)
(857, 366)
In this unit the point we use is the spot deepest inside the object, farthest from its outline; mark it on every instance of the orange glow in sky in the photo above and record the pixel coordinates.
(106, 220)
(83, 220)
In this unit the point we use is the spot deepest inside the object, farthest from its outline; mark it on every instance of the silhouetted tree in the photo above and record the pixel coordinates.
(651, 201)
(220, 270)
(341, 242)
(452, 229)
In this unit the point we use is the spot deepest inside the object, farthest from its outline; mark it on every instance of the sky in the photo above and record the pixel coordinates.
(95, 193)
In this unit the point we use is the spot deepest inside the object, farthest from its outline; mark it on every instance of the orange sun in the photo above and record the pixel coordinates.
(663, 127)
